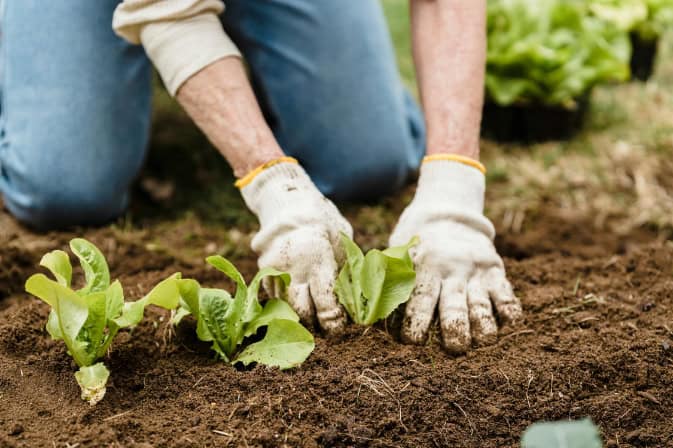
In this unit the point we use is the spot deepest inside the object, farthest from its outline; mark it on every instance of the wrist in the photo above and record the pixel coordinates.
(452, 183)
(278, 186)
(471, 151)
(262, 168)
(456, 158)
(245, 167)
(449, 196)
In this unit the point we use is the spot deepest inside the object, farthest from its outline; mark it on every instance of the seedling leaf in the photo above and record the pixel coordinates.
(58, 263)
(287, 344)
(372, 286)
(254, 308)
(165, 294)
(219, 326)
(347, 287)
(70, 310)
(93, 263)
(227, 268)
(577, 434)
(53, 327)
(273, 309)
(395, 280)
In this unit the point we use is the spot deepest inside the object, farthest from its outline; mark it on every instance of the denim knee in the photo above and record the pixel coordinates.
(75, 112)
(56, 200)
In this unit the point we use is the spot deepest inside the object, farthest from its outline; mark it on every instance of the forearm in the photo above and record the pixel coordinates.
(449, 43)
(199, 64)
(221, 102)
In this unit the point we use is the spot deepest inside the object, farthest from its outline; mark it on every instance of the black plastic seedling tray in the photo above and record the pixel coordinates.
(530, 123)
(643, 57)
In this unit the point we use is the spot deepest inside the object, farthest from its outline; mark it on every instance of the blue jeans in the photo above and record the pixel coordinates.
(76, 102)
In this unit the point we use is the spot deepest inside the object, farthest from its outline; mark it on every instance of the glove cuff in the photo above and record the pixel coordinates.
(248, 178)
(454, 184)
(456, 158)
(279, 184)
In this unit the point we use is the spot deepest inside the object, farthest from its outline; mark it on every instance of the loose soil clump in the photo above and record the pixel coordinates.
(596, 340)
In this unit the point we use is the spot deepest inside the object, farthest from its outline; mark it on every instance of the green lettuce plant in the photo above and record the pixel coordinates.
(370, 287)
(648, 18)
(228, 321)
(626, 15)
(88, 319)
(550, 52)
(565, 434)
(659, 19)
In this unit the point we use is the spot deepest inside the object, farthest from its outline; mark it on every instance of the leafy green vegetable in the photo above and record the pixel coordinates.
(370, 287)
(659, 19)
(227, 321)
(286, 344)
(578, 434)
(87, 320)
(550, 52)
(648, 18)
(624, 14)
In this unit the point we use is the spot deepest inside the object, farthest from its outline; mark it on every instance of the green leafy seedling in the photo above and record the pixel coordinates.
(87, 320)
(227, 321)
(569, 434)
(370, 287)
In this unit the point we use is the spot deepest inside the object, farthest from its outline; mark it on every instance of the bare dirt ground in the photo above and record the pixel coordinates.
(597, 341)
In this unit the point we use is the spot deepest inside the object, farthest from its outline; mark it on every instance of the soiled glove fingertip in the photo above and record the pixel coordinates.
(456, 338)
(414, 331)
(334, 327)
(511, 313)
(299, 299)
(484, 340)
(484, 331)
(412, 339)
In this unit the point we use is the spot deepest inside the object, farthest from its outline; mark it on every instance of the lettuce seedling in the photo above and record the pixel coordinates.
(227, 321)
(370, 287)
(88, 319)
(564, 434)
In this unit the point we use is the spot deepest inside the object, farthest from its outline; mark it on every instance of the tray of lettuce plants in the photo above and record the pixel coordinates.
(544, 58)
(645, 21)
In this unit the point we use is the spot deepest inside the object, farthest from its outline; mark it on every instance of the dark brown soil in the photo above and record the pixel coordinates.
(596, 341)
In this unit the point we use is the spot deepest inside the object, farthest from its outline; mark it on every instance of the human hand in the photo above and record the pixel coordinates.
(458, 268)
(299, 234)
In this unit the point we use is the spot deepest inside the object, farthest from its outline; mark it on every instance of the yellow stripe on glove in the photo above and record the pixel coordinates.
(457, 158)
(245, 180)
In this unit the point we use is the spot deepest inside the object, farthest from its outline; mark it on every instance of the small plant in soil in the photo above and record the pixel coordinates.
(370, 287)
(577, 434)
(88, 319)
(228, 322)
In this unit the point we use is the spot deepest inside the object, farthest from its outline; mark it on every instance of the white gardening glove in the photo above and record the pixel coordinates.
(456, 263)
(299, 234)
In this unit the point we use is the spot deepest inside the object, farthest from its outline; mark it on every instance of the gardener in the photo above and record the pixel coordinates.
(328, 117)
